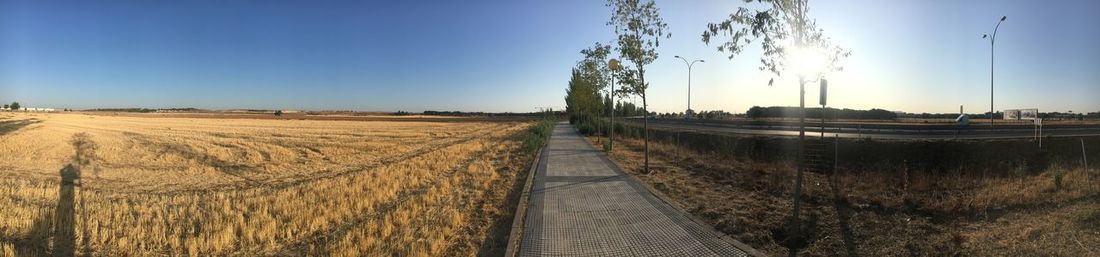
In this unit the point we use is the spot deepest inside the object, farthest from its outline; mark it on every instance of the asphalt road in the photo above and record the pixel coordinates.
(899, 132)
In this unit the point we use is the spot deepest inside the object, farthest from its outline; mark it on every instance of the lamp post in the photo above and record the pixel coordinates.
(992, 39)
(614, 65)
(689, 113)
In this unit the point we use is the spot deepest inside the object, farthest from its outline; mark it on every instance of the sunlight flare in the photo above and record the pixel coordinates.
(807, 62)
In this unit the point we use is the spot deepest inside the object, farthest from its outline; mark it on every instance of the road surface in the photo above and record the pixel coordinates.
(894, 133)
(582, 204)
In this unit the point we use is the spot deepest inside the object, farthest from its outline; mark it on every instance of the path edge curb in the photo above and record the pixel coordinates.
(661, 196)
(516, 233)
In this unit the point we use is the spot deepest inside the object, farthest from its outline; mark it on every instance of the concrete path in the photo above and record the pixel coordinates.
(582, 204)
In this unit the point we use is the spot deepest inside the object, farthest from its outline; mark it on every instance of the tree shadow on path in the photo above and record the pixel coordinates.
(844, 216)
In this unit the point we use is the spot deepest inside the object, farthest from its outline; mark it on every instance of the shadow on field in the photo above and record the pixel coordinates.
(36, 243)
(64, 232)
(60, 225)
(198, 155)
(7, 126)
(844, 216)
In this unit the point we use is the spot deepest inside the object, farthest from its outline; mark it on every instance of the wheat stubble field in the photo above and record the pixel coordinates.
(98, 185)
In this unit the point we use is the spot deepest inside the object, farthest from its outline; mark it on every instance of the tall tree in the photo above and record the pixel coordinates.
(639, 29)
(790, 39)
(14, 106)
(589, 78)
(578, 97)
(595, 70)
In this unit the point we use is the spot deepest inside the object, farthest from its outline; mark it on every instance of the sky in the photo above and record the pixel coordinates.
(516, 56)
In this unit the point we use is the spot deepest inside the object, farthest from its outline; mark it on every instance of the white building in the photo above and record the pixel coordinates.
(34, 109)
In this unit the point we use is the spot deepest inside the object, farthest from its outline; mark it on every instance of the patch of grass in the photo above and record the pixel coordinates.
(1089, 219)
(538, 134)
(1056, 177)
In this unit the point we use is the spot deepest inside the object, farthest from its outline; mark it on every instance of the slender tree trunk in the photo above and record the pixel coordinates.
(645, 115)
(795, 229)
(645, 118)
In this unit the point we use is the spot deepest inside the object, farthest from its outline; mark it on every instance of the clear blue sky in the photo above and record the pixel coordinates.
(514, 56)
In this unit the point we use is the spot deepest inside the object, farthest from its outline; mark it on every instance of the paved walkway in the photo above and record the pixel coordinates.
(583, 205)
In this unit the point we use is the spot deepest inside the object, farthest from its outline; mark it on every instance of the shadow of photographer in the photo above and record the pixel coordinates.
(59, 226)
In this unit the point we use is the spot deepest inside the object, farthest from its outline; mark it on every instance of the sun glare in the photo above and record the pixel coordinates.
(807, 62)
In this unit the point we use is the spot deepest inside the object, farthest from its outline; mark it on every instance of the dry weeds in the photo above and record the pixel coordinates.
(887, 214)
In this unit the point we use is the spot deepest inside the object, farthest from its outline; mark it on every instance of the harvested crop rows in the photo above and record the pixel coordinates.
(107, 186)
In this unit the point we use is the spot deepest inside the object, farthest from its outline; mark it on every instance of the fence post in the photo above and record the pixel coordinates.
(836, 153)
(1085, 161)
(1040, 133)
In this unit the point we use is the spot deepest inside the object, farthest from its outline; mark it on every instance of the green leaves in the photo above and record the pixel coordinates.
(781, 26)
(590, 78)
(594, 65)
(638, 29)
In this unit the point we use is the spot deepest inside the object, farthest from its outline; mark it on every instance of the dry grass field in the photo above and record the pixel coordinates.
(95, 185)
(1055, 212)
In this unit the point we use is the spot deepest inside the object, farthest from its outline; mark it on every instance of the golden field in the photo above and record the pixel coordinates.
(95, 185)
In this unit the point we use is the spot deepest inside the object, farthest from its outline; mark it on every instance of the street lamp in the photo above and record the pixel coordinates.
(992, 39)
(613, 64)
(689, 113)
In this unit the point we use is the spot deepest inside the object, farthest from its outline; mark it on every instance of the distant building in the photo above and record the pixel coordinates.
(34, 109)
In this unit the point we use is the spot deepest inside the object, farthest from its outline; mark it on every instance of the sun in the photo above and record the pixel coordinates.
(807, 62)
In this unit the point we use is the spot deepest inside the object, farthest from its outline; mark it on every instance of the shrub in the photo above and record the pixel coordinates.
(1056, 176)
(538, 134)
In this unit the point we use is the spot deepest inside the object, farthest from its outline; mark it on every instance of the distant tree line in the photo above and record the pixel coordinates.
(622, 109)
(815, 113)
(1000, 115)
(490, 114)
(188, 109)
(148, 110)
(702, 115)
(142, 110)
(1064, 115)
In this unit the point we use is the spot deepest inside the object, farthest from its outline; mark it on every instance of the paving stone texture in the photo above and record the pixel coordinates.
(582, 205)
